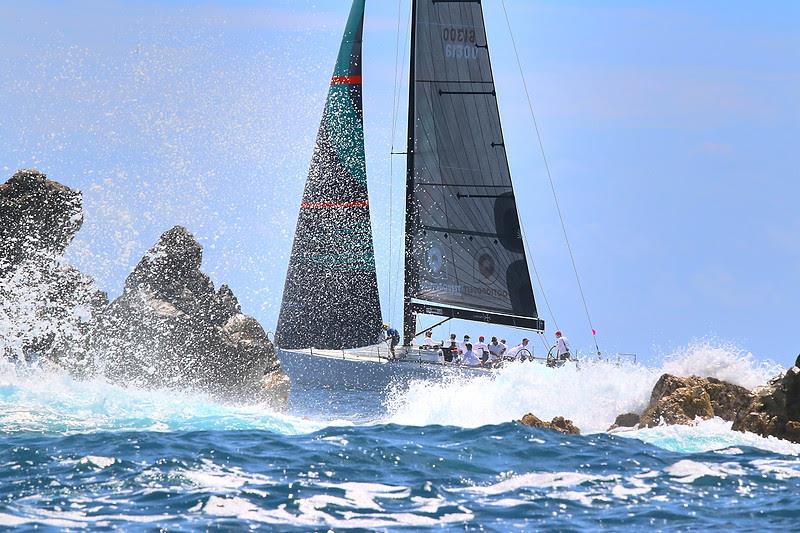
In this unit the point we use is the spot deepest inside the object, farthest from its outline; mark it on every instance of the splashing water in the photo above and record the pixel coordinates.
(724, 361)
(37, 400)
(709, 435)
(591, 396)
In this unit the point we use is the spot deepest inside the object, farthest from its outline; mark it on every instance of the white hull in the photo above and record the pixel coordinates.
(368, 368)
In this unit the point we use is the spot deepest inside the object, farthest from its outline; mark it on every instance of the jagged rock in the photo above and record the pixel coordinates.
(37, 217)
(559, 424)
(170, 328)
(626, 420)
(727, 399)
(775, 408)
(679, 407)
(679, 400)
(48, 306)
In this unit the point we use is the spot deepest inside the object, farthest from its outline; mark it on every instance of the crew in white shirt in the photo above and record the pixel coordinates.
(504, 345)
(462, 346)
(481, 349)
(562, 347)
(495, 350)
(469, 358)
(428, 341)
(520, 350)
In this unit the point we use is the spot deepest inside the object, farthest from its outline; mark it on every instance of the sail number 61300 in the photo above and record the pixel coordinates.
(458, 35)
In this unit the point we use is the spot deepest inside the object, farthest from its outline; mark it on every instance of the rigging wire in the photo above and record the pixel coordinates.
(396, 110)
(545, 342)
(538, 278)
(550, 178)
(391, 157)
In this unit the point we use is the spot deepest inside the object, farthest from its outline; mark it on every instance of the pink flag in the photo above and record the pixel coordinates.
(594, 331)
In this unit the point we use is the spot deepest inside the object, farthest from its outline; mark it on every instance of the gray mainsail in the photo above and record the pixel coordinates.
(330, 299)
(465, 256)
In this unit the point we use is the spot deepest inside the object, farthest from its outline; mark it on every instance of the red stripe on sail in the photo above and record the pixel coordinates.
(330, 205)
(346, 80)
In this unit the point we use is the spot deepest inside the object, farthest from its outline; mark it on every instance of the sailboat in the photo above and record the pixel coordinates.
(465, 255)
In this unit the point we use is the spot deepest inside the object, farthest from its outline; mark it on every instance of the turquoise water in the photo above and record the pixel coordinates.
(443, 455)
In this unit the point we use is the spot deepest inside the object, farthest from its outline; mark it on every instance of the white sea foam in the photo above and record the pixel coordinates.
(779, 469)
(537, 480)
(710, 435)
(223, 480)
(591, 395)
(38, 400)
(98, 461)
(688, 471)
(362, 500)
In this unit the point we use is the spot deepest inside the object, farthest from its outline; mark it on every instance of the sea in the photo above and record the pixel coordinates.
(423, 455)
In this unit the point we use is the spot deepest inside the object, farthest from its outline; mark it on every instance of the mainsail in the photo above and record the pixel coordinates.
(330, 299)
(465, 256)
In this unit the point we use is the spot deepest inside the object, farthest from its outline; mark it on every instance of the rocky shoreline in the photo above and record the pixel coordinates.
(170, 328)
(772, 410)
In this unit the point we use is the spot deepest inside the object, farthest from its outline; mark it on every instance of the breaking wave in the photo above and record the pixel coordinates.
(39, 400)
(591, 394)
(42, 400)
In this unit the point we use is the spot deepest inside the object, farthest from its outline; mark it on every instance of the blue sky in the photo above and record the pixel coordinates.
(671, 129)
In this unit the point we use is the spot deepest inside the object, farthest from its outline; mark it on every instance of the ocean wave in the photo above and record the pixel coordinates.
(386, 476)
(42, 400)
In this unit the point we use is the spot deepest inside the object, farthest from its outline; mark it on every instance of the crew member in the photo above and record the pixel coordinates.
(562, 347)
(470, 358)
(450, 350)
(496, 350)
(392, 337)
(520, 350)
(462, 346)
(428, 341)
(481, 349)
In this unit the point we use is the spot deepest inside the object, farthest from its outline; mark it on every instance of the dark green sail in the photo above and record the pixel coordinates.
(330, 299)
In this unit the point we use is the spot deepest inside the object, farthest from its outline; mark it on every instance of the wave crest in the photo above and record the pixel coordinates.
(591, 395)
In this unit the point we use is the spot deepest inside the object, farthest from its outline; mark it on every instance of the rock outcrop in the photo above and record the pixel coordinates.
(774, 409)
(679, 400)
(38, 217)
(626, 420)
(559, 424)
(171, 328)
(48, 306)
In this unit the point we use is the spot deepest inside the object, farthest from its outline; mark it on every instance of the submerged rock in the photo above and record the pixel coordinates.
(559, 424)
(774, 409)
(47, 306)
(679, 400)
(171, 328)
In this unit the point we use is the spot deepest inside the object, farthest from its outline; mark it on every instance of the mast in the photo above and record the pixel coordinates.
(411, 277)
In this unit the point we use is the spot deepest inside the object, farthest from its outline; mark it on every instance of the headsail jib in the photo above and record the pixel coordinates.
(465, 251)
(330, 298)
